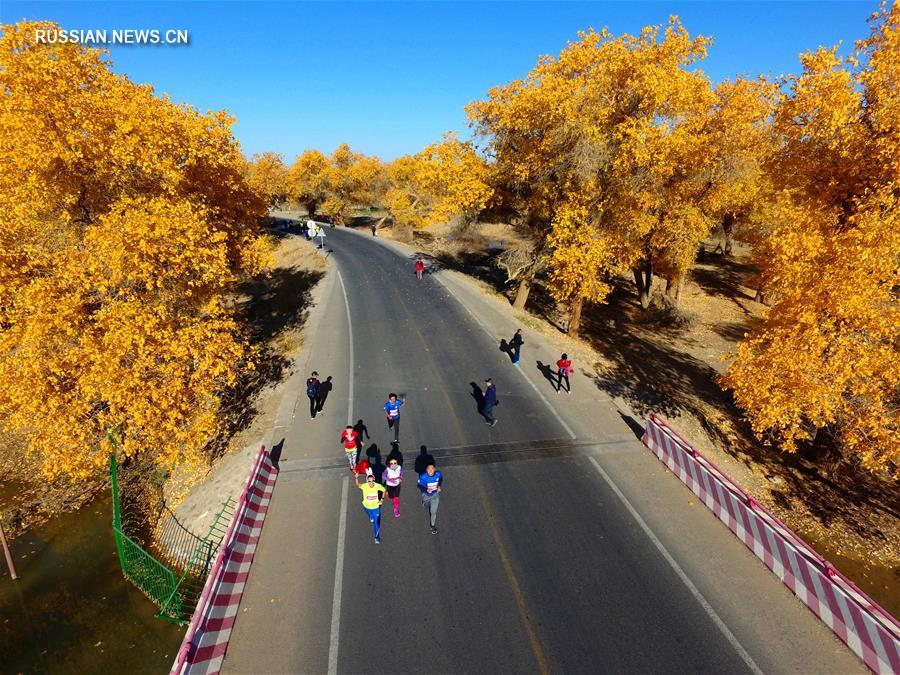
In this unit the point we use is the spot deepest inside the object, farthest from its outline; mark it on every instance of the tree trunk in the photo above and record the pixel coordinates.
(522, 292)
(674, 284)
(643, 278)
(762, 296)
(728, 229)
(311, 207)
(575, 317)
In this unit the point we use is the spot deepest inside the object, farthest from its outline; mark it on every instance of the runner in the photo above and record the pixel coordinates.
(564, 366)
(516, 345)
(393, 477)
(490, 400)
(420, 269)
(374, 228)
(430, 484)
(392, 413)
(350, 441)
(312, 392)
(372, 497)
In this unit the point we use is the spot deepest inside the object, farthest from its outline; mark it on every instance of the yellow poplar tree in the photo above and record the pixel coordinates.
(351, 179)
(824, 367)
(306, 182)
(126, 221)
(267, 176)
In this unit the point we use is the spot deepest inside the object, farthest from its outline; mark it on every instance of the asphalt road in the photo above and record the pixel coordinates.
(539, 565)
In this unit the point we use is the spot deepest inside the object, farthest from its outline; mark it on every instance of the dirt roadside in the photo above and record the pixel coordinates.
(279, 308)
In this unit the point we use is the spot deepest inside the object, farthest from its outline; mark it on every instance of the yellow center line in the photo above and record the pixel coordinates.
(533, 639)
(519, 596)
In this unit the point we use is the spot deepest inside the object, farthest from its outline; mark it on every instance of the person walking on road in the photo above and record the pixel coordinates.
(372, 498)
(515, 344)
(490, 400)
(350, 441)
(420, 269)
(392, 413)
(564, 369)
(430, 484)
(374, 228)
(312, 393)
(393, 478)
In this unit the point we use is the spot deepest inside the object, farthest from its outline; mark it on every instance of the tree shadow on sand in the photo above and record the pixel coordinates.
(271, 308)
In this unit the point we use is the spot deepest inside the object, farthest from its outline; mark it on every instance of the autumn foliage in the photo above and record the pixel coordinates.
(126, 221)
(825, 365)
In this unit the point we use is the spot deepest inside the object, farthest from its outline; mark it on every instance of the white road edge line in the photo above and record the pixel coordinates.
(698, 596)
(350, 337)
(521, 372)
(338, 585)
(334, 642)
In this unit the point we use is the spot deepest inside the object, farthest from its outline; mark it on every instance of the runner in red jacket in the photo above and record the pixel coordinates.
(420, 269)
(564, 369)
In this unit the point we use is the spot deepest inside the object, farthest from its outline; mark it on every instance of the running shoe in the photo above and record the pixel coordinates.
(494, 423)
(377, 540)
(433, 530)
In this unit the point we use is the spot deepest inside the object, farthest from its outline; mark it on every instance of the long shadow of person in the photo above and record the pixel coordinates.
(395, 453)
(377, 466)
(549, 374)
(363, 431)
(324, 389)
(423, 459)
(507, 349)
(478, 395)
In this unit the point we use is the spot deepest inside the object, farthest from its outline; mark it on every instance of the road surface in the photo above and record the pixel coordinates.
(563, 544)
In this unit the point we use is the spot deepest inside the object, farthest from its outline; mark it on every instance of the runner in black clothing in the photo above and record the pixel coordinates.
(312, 393)
(516, 345)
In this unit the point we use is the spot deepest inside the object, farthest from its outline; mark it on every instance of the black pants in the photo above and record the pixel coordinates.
(394, 423)
(564, 376)
(313, 406)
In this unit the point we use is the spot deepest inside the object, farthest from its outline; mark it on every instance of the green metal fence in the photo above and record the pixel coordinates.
(174, 587)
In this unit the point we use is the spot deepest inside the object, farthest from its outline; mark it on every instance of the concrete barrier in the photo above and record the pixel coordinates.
(870, 631)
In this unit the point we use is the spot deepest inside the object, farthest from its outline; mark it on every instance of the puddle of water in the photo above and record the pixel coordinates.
(71, 611)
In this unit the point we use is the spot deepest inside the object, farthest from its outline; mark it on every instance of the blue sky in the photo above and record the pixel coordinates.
(389, 78)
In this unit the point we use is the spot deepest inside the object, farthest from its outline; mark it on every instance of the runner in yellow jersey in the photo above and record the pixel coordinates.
(372, 497)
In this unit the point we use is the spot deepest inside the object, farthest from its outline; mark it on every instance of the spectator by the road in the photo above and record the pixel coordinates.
(372, 498)
(515, 344)
(423, 460)
(363, 431)
(490, 400)
(563, 370)
(393, 478)
(350, 441)
(430, 484)
(312, 393)
(420, 269)
(392, 413)
(324, 389)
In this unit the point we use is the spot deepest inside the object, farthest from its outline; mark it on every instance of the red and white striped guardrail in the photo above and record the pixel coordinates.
(206, 640)
(870, 631)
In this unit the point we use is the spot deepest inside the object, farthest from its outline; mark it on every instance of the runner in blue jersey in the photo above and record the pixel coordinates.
(392, 413)
(430, 484)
